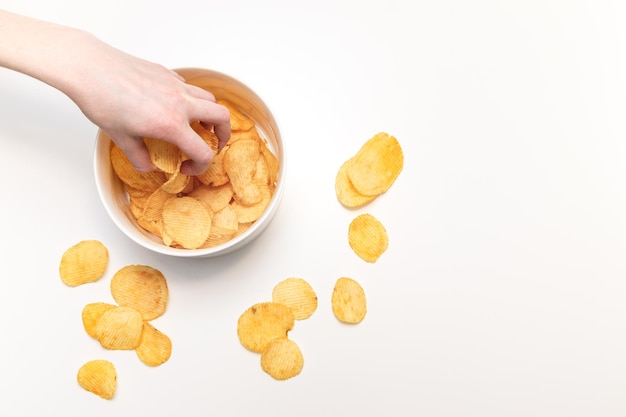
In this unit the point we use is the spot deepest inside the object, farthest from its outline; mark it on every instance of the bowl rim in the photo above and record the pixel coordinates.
(104, 176)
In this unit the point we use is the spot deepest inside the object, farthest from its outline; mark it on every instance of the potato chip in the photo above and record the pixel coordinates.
(155, 347)
(83, 263)
(345, 191)
(176, 182)
(186, 221)
(98, 377)
(207, 135)
(263, 322)
(164, 155)
(298, 295)
(238, 120)
(91, 314)
(240, 163)
(215, 197)
(119, 328)
(141, 287)
(348, 301)
(126, 172)
(367, 237)
(376, 165)
(251, 213)
(282, 359)
(215, 174)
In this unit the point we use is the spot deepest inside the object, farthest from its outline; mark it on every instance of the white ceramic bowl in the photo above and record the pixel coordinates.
(115, 199)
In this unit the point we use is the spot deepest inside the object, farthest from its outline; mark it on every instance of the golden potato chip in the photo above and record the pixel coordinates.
(119, 328)
(263, 322)
(282, 359)
(251, 213)
(238, 120)
(141, 287)
(348, 301)
(239, 163)
(128, 175)
(376, 165)
(298, 295)
(164, 155)
(224, 226)
(98, 377)
(83, 263)
(251, 133)
(91, 314)
(345, 191)
(368, 237)
(215, 174)
(207, 135)
(186, 221)
(155, 347)
(176, 182)
(215, 197)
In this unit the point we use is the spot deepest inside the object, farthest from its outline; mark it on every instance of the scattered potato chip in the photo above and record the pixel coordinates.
(348, 301)
(91, 314)
(298, 295)
(119, 328)
(346, 193)
(98, 377)
(263, 322)
(83, 263)
(376, 165)
(367, 237)
(282, 359)
(155, 347)
(187, 221)
(141, 287)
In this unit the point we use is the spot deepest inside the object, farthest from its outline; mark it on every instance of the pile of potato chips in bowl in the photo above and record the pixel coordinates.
(210, 214)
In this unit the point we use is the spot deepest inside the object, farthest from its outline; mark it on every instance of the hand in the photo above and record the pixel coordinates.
(127, 97)
(130, 99)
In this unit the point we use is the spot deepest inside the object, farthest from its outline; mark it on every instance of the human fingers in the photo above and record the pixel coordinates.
(199, 152)
(213, 114)
(136, 152)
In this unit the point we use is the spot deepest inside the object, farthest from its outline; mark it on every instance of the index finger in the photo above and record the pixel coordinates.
(213, 114)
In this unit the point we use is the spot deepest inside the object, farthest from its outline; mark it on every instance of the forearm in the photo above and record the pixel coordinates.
(51, 53)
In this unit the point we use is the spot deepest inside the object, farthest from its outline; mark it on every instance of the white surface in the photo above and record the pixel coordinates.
(502, 291)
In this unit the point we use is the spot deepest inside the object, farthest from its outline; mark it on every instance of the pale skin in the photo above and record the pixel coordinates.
(127, 97)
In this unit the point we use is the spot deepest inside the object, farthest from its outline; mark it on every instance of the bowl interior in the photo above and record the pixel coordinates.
(115, 199)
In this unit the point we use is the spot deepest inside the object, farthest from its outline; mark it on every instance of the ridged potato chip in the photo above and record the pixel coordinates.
(186, 221)
(263, 322)
(141, 287)
(240, 163)
(376, 165)
(91, 314)
(125, 171)
(345, 191)
(298, 295)
(164, 155)
(119, 328)
(368, 237)
(282, 359)
(83, 263)
(98, 377)
(238, 120)
(155, 347)
(348, 301)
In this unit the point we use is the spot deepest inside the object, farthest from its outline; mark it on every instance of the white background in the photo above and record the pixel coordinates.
(503, 289)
